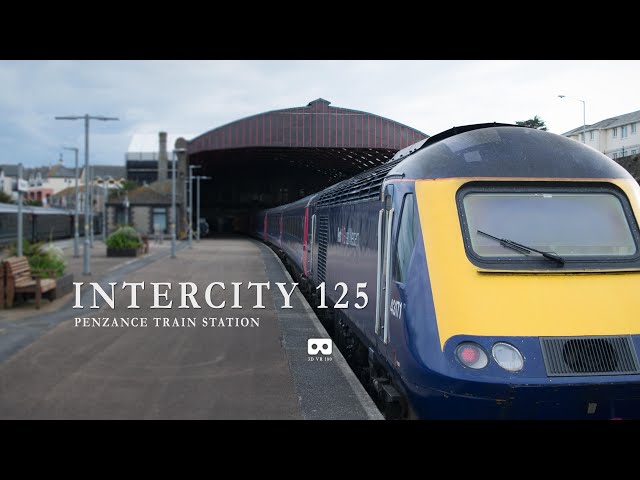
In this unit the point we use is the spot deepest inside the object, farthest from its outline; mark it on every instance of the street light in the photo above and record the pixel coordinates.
(86, 267)
(176, 152)
(191, 167)
(126, 204)
(198, 178)
(584, 117)
(21, 187)
(91, 199)
(76, 233)
(105, 192)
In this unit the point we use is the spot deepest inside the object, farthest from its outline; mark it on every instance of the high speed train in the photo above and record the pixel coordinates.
(502, 269)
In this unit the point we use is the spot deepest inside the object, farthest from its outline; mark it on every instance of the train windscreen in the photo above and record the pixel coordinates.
(579, 224)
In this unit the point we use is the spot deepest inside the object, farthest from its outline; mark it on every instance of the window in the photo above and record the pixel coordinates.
(633, 152)
(623, 131)
(569, 224)
(615, 155)
(615, 132)
(406, 239)
(591, 135)
(634, 128)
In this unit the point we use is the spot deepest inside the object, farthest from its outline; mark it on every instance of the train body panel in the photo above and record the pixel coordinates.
(462, 320)
(40, 224)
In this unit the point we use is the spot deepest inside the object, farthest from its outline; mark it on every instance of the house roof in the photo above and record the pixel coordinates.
(114, 171)
(60, 171)
(145, 195)
(612, 122)
(69, 190)
(9, 170)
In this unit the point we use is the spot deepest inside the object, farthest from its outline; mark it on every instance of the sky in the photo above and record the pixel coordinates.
(197, 96)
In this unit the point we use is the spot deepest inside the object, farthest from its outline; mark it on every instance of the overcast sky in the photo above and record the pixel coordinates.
(196, 96)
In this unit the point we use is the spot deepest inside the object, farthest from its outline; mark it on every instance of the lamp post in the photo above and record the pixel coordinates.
(91, 198)
(76, 233)
(584, 117)
(191, 167)
(198, 178)
(21, 188)
(104, 209)
(173, 199)
(86, 264)
(126, 204)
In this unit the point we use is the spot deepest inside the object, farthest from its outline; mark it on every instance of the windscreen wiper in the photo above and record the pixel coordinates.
(524, 249)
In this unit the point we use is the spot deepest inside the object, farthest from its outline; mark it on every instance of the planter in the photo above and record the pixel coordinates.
(64, 285)
(122, 252)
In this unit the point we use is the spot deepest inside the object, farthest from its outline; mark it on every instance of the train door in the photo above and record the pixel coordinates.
(383, 277)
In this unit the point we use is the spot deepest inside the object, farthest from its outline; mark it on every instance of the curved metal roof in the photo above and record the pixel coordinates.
(317, 125)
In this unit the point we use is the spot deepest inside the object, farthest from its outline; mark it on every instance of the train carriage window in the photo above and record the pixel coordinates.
(406, 239)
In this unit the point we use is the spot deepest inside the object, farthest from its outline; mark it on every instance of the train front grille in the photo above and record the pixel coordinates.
(580, 356)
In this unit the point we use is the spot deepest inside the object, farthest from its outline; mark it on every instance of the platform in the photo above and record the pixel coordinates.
(50, 368)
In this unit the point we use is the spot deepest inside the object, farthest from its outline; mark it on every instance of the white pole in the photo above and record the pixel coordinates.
(20, 226)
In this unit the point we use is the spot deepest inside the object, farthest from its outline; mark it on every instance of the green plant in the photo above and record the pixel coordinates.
(124, 237)
(42, 265)
(29, 249)
(42, 259)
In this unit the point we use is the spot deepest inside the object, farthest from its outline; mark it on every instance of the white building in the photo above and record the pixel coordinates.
(8, 175)
(615, 137)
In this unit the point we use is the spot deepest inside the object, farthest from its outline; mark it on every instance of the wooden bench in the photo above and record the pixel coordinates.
(19, 280)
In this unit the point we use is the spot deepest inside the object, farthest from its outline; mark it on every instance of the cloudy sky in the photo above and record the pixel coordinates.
(196, 96)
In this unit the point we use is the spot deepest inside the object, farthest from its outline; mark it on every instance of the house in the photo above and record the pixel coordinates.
(8, 176)
(144, 208)
(107, 177)
(616, 137)
(44, 182)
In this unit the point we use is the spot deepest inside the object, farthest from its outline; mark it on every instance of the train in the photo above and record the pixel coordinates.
(501, 264)
(39, 223)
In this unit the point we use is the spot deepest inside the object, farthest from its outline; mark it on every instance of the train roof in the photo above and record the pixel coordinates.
(13, 208)
(480, 150)
(501, 150)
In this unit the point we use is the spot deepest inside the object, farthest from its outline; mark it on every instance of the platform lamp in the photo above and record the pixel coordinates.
(584, 117)
(198, 178)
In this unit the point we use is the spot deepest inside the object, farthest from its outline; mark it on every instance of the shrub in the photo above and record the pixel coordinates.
(42, 259)
(41, 265)
(124, 237)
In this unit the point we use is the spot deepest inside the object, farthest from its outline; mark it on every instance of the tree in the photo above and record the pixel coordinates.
(535, 122)
(5, 197)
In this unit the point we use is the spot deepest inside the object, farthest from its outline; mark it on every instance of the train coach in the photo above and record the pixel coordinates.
(501, 265)
(39, 223)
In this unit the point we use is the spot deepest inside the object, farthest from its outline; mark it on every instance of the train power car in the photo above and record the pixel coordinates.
(501, 264)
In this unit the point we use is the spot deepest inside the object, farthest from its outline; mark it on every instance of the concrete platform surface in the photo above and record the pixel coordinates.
(51, 368)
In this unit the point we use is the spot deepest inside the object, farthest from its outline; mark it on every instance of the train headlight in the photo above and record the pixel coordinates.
(508, 357)
(471, 355)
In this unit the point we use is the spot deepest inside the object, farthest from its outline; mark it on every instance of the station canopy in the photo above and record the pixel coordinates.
(279, 156)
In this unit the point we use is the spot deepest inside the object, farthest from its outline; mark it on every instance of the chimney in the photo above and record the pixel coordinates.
(162, 157)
